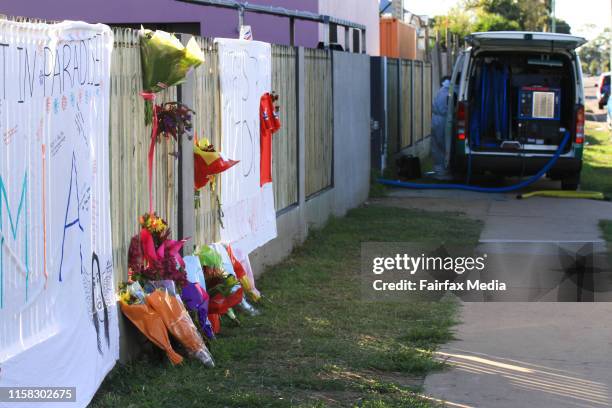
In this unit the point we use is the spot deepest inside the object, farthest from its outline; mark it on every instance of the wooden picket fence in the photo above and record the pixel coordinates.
(409, 108)
(207, 124)
(129, 145)
(285, 142)
(409, 104)
(409, 93)
(129, 141)
(319, 120)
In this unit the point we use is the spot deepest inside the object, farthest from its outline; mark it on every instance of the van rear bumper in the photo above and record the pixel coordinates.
(516, 166)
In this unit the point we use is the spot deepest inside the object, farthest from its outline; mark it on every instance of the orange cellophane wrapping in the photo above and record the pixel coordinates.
(176, 319)
(152, 326)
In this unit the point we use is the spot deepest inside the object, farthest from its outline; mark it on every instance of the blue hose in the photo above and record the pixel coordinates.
(466, 187)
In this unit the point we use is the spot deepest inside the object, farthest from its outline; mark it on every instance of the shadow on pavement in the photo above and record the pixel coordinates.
(561, 385)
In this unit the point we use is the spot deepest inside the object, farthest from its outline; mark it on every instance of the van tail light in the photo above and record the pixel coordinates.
(580, 125)
(461, 121)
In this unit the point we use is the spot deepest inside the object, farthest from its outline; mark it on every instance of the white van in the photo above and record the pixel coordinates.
(516, 95)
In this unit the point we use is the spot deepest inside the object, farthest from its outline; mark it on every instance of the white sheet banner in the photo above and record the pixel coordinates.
(58, 318)
(245, 71)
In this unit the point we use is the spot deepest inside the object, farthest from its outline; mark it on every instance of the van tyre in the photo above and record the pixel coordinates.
(570, 183)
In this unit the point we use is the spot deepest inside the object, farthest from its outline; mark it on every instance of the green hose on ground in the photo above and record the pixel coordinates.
(591, 195)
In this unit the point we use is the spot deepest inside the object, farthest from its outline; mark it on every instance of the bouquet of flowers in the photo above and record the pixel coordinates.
(153, 256)
(223, 288)
(173, 120)
(195, 296)
(245, 275)
(232, 267)
(149, 322)
(196, 299)
(165, 62)
(209, 258)
(164, 300)
(208, 163)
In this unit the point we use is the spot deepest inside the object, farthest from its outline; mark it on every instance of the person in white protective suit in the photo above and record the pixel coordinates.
(438, 127)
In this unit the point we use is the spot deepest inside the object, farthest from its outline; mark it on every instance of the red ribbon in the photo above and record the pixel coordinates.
(150, 96)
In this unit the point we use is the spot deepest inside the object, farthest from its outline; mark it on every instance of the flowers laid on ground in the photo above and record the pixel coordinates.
(224, 289)
(195, 295)
(152, 255)
(196, 299)
(237, 272)
(149, 322)
(244, 273)
(164, 300)
(164, 287)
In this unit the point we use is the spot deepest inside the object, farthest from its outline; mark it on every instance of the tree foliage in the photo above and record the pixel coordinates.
(498, 15)
(494, 22)
(458, 22)
(595, 55)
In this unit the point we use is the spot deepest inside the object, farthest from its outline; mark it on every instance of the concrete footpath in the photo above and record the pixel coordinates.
(516, 355)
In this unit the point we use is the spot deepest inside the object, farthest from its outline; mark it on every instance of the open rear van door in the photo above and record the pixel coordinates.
(524, 40)
(453, 95)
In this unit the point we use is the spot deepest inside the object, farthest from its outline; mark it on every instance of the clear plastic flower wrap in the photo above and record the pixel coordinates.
(165, 60)
(246, 308)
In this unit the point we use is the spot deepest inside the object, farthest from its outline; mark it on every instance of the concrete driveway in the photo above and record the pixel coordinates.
(519, 355)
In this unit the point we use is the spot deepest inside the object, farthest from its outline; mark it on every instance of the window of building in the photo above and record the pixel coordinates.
(356, 40)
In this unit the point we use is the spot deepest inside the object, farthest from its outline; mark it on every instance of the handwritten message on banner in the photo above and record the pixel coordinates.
(249, 219)
(58, 320)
